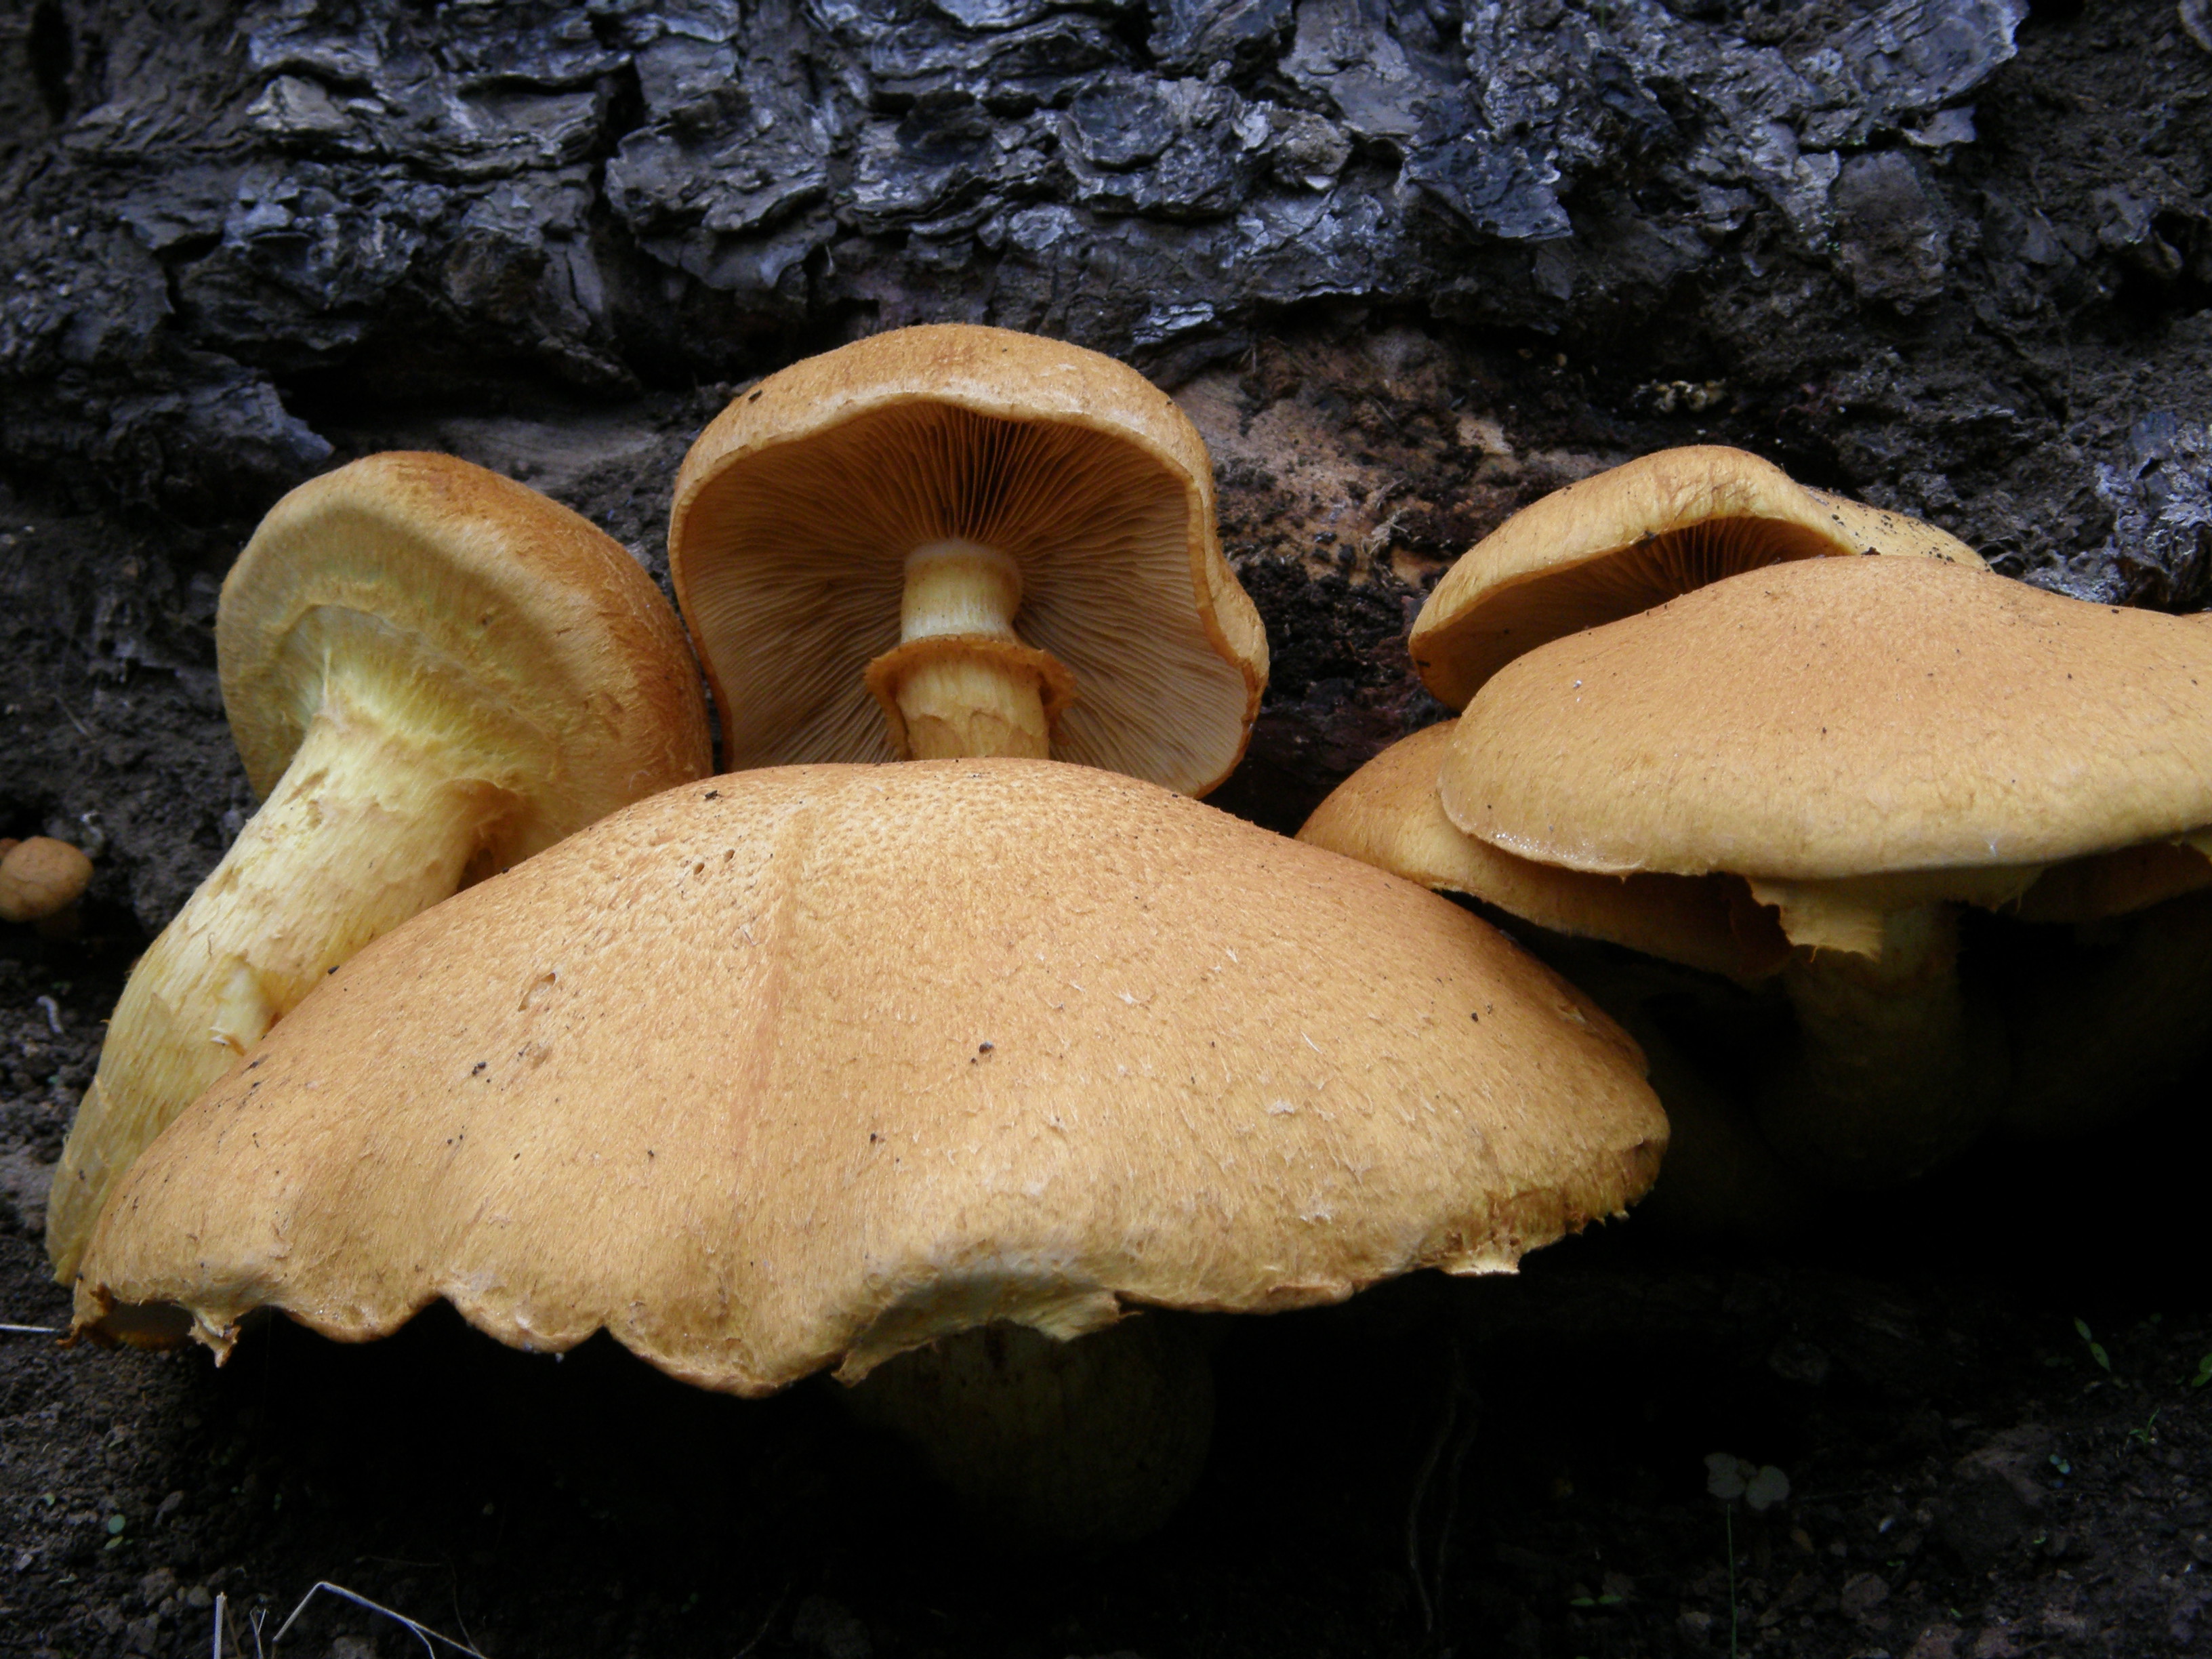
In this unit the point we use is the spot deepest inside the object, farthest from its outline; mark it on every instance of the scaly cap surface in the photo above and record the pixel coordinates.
(802, 1067)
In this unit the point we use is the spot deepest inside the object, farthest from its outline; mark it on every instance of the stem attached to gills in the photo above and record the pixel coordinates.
(959, 682)
(1894, 1071)
(363, 830)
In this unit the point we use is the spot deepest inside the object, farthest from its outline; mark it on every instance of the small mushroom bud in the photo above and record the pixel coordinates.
(41, 878)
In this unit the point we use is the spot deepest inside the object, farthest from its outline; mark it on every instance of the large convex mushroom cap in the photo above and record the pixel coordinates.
(431, 672)
(1636, 536)
(954, 540)
(816, 1065)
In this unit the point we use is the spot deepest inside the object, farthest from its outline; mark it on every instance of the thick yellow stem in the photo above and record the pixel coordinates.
(368, 826)
(955, 707)
(960, 681)
(1895, 1071)
(959, 587)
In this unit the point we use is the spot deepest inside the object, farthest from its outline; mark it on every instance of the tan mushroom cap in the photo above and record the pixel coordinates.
(796, 511)
(431, 672)
(1841, 719)
(1387, 814)
(1634, 537)
(496, 600)
(39, 877)
(958, 1041)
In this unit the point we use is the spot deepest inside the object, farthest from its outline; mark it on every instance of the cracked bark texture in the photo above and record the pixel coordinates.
(231, 213)
(1409, 263)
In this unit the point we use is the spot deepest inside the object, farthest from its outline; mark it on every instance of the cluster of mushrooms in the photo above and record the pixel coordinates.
(1920, 847)
(947, 1026)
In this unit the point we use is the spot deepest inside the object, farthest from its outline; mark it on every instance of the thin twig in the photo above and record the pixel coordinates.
(1727, 1534)
(1459, 1449)
(30, 1330)
(1414, 1516)
(1420, 1495)
(452, 1584)
(768, 1623)
(454, 1595)
(221, 1601)
(422, 1632)
(82, 729)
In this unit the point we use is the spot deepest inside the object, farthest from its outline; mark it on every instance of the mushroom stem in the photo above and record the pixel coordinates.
(959, 706)
(1097, 1438)
(1894, 1071)
(956, 587)
(961, 683)
(371, 823)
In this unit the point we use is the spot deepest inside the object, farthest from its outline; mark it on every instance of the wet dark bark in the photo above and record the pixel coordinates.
(1411, 261)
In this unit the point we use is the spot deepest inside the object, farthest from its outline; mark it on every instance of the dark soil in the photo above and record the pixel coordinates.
(1984, 1395)
(1512, 1467)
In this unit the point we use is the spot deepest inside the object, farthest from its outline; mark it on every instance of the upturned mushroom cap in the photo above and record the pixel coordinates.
(39, 877)
(796, 508)
(1936, 729)
(431, 672)
(956, 1041)
(497, 603)
(1387, 814)
(1634, 537)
